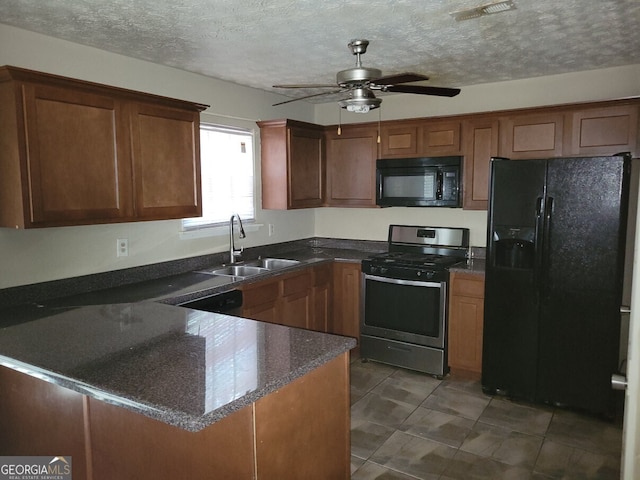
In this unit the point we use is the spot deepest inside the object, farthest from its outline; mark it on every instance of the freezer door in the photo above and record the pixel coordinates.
(582, 282)
(510, 343)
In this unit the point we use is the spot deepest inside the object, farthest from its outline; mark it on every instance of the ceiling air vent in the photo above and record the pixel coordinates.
(489, 8)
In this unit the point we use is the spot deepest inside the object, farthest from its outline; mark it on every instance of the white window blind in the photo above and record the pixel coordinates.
(226, 156)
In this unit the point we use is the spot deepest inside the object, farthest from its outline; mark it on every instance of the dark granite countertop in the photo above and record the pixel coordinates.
(183, 367)
(476, 266)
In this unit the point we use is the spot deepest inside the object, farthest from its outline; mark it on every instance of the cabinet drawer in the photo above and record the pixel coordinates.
(468, 286)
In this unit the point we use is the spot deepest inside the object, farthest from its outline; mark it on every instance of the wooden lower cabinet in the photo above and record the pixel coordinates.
(285, 300)
(321, 298)
(346, 299)
(28, 426)
(303, 429)
(466, 320)
(260, 300)
(298, 431)
(325, 298)
(295, 299)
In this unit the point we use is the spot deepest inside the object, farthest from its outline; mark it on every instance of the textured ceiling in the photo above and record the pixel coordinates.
(260, 43)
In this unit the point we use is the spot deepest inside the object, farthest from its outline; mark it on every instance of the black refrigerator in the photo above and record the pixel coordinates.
(554, 277)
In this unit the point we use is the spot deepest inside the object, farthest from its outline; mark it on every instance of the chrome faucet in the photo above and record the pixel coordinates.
(233, 253)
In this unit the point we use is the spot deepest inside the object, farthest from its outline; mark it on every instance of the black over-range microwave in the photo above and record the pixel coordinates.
(419, 182)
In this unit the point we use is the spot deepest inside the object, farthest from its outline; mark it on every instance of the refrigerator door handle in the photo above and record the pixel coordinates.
(537, 267)
(546, 238)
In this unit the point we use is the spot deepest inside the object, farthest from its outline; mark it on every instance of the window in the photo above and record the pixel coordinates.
(226, 156)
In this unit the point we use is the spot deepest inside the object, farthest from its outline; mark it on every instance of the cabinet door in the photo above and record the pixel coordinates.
(605, 131)
(321, 295)
(351, 167)
(306, 168)
(531, 136)
(292, 164)
(440, 138)
(400, 140)
(260, 301)
(166, 159)
(296, 299)
(480, 144)
(346, 299)
(78, 158)
(466, 320)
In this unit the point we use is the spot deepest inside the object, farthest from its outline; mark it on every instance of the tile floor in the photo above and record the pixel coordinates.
(406, 425)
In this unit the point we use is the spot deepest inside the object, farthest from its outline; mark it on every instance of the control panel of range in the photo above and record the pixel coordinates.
(403, 272)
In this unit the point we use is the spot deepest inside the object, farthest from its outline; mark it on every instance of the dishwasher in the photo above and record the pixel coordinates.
(229, 302)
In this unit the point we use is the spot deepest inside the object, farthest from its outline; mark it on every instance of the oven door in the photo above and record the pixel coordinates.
(404, 310)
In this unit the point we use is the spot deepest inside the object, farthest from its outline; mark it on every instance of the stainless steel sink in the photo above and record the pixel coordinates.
(252, 268)
(273, 263)
(239, 271)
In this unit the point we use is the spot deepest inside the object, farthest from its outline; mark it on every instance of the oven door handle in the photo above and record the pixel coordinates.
(415, 283)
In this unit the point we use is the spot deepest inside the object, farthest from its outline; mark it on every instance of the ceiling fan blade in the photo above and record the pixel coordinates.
(308, 85)
(422, 90)
(307, 96)
(400, 78)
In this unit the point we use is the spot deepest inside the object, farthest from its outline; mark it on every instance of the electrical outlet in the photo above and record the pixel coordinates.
(271, 229)
(122, 247)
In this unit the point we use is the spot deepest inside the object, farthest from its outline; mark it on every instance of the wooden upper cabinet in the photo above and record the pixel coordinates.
(531, 135)
(293, 164)
(432, 138)
(400, 140)
(76, 152)
(70, 151)
(604, 131)
(480, 144)
(351, 166)
(440, 139)
(166, 145)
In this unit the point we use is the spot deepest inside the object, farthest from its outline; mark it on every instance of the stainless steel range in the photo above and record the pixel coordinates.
(404, 300)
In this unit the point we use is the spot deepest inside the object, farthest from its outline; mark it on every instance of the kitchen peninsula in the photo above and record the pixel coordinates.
(146, 390)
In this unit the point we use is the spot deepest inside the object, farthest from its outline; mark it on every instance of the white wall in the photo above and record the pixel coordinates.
(52, 253)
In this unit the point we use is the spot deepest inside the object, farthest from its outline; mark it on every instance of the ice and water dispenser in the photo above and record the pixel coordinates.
(514, 247)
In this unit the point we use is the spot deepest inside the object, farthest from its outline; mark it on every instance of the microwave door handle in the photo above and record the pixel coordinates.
(439, 186)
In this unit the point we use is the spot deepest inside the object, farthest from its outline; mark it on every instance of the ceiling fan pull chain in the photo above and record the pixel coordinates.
(339, 120)
(379, 121)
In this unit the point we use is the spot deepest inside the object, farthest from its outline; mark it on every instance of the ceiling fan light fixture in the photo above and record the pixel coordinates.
(362, 101)
(482, 10)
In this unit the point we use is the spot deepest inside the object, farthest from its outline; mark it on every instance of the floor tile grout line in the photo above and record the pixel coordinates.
(532, 470)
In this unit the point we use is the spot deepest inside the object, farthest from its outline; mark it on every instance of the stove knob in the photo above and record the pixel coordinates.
(374, 269)
(383, 270)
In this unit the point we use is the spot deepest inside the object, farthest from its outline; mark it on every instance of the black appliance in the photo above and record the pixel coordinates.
(419, 182)
(404, 297)
(554, 277)
(229, 302)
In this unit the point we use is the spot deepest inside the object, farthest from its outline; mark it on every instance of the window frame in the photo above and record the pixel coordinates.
(197, 229)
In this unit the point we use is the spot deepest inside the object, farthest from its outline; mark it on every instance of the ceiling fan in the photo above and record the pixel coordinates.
(361, 82)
